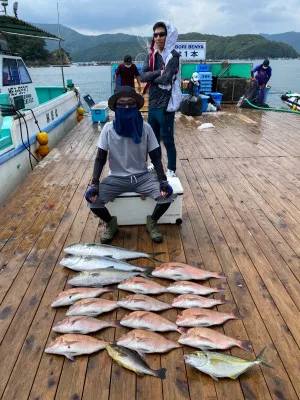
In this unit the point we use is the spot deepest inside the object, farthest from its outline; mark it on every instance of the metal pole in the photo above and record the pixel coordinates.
(59, 48)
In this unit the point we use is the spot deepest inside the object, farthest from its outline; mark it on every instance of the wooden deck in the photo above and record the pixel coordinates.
(241, 216)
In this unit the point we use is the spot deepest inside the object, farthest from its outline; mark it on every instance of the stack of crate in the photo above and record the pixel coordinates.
(205, 81)
(146, 96)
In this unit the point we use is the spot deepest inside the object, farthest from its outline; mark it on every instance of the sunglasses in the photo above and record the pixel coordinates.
(126, 103)
(160, 34)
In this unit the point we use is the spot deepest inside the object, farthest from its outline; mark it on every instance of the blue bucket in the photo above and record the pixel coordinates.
(267, 89)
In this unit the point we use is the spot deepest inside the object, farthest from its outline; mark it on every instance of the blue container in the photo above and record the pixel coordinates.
(205, 76)
(100, 112)
(203, 67)
(204, 100)
(205, 88)
(216, 96)
(267, 89)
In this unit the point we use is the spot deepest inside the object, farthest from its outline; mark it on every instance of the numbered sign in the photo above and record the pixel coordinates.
(192, 50)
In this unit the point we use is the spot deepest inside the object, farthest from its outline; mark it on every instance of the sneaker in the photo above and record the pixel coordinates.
(110, 231)
(170, 174)
(150, 167)
(153, 230)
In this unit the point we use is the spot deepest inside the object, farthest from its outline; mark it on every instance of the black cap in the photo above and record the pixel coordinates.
(125, 91)
(266, 63)
(127, 59)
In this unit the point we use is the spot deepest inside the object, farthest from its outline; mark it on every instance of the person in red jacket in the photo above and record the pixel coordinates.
(128, 71)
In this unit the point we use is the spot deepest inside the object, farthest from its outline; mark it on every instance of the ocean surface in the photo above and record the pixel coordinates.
(96, 80)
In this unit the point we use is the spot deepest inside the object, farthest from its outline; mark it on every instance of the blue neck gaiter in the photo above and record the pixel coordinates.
(129, 123)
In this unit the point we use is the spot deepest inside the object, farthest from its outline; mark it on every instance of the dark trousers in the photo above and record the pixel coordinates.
(162, 124)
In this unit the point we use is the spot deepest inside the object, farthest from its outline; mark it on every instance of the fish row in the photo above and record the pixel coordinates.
(215, 364)
(93, 307)
(110, 276)
(171, 270)
(202, 338)
(71, 296)
(71, 346)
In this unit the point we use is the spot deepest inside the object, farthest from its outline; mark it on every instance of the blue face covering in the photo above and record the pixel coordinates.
(129, 123)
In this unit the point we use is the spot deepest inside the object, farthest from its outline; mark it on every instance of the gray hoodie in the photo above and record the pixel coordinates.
(160, 89)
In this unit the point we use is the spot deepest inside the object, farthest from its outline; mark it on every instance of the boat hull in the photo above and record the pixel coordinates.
(56, 117)
(292, 100)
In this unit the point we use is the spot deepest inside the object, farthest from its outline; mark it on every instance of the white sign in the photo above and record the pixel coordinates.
(191, 50)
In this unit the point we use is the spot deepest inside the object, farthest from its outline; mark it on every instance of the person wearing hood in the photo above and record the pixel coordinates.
(261, 75)
(160, 72)
(127, 141)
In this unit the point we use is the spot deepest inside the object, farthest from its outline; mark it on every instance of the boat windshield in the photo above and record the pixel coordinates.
(14, 72)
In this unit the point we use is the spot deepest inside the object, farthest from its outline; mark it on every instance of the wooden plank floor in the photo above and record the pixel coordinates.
(241, 215)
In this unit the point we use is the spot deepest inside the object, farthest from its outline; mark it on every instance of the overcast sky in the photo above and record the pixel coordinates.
(220, 17)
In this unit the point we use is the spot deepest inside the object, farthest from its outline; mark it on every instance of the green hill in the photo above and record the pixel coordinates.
(111, 47)
(291, 38)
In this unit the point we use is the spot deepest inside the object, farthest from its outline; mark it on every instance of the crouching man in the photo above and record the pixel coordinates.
(127, 141)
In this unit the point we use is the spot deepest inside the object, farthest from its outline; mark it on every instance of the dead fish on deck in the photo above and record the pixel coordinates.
(88, 263)
(202, 317)
(179, 271)
(208, 339)
(91, 307)
(133, 361)
(186, 287)
(71, 346)
(70, 296)
(142, 285)
(83, 325)
(147, 342)
(106, 250)
(103, 277)
(141, 302)
(150, 321)
(220, 365)
(193, 301)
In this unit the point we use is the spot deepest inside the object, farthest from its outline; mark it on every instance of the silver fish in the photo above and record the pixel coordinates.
(88, 263)
(220, 365)
(105, 250)
(103, 277)
(82, 325)
(132, 360)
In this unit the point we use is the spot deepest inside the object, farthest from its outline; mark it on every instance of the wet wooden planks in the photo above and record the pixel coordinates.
(241, 215)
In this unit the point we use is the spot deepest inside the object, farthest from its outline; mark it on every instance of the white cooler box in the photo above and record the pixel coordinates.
(130, 209)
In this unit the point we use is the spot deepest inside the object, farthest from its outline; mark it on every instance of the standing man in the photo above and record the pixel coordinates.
(160, 72)
(127, 141)
(128, 71)
(261, 75)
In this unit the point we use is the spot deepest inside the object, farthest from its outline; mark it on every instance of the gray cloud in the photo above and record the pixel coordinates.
(221, 17)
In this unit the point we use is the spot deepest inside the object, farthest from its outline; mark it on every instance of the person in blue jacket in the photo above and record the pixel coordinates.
(261, 74)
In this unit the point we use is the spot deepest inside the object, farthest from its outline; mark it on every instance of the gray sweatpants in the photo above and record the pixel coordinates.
(112, 186)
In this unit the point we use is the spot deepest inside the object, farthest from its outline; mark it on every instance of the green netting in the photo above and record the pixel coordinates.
(16, 26)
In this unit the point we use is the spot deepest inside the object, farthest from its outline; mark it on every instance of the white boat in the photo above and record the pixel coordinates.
(50, 109)
(292, 100)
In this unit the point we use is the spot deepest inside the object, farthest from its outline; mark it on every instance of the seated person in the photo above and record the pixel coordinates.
(128, 140)
(194, 84)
